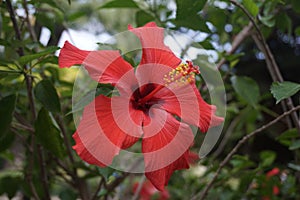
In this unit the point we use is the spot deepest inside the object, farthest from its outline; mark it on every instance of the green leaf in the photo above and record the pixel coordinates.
(120, 4)
(268, 20)
(297, 31)
(294, 145)
(7, 107)
(142, 18)
(296, 5)
(284, 22)
(46, 93)
(240, 162)
(284, 90)
(294, 166)
(267, 158)
(187, 14)
(106, 172)
(251, 7)
(246, 88)
(28, 58)
(286, 137)
(47, 134)
(9, 185)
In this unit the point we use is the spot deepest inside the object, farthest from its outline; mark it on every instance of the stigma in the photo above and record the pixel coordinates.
(183, 74)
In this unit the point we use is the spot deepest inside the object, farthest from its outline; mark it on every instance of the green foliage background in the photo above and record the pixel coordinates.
(36, 159)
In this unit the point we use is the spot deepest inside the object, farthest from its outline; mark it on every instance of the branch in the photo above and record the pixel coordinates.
(239, 38)
(237, 146)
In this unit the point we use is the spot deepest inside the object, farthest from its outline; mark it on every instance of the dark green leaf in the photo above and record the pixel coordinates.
(9, 185)
(187, 12)
(106, 172)
(7, 107)
(6, 141)
(240, 162)
(269, 20)
(289, 134)
(284, 22)
(246, 88)
(287, 137)
(142, 18)
(120, 4)
(28, 58)
(267, 158)
(284, 90)
(46, 93)
(297, 31)
(47, 134)
(294, 166)
(296, 5)
(295, 145)
(251, 7)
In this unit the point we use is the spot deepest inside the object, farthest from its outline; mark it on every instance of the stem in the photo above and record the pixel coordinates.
(45, 182)
(30, 28)
(28, 80)
(80, 184)
(139, 188)
(235, 149)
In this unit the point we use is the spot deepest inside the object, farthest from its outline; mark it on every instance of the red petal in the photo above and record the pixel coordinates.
(70, 55)
(187, 103)
(105, 66)
(154, 49)
(99, 136)
(165, 146)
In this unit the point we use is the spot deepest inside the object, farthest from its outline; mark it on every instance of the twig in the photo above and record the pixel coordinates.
(30, 28)
(28, 80)
(45, 182)
(139, 188)
(237, 146)
(81, 186)
(239, 38)
(98, 188)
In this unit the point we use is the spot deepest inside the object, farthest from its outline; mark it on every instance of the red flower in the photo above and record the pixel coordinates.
(275, 171)
(148, 191)
(160, 88)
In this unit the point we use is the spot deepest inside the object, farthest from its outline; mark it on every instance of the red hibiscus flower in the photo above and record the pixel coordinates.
(151, 99)
(148, 191)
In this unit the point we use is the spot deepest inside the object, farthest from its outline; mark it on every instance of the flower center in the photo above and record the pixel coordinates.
(182, 75)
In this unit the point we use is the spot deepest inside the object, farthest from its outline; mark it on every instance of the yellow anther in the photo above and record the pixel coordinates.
(182, 74)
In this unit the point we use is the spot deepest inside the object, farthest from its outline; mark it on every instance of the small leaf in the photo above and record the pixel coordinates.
(187, 12)
(267, 158)
(294, 145)
(9, 185)
(297, 31)
(294, 166)
(268, 20)
(284, 90)
(120, 4)
(246, 88)
(287, 137)
(142, 18)
(106, 172)
(47, 134)
(7, 107)
(251, 7)
(26, 59)
(296, 5)
(46, 93)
